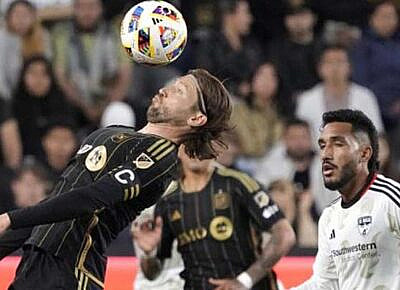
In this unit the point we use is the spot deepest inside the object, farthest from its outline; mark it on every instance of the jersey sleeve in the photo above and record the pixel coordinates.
(12, 240)
(125, 183)
(256, 201)
(167, 239)
(324, 270)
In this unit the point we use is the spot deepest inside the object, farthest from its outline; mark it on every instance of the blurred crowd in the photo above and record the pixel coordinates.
(63, 74)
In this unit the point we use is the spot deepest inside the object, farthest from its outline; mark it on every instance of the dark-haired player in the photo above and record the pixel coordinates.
(359, 234)
(116, 173)
(211, 212)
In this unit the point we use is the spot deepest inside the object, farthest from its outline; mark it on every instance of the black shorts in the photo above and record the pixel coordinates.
(41, 270)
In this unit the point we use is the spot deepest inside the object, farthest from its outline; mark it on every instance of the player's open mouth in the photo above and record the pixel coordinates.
(327, 169)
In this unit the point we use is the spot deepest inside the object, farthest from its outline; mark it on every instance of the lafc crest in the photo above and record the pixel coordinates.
(143, 161)
(221, 200)
(96, 159)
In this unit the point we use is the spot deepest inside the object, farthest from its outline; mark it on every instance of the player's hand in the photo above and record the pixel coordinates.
(147, 234)
(227, 284)
(4, 223)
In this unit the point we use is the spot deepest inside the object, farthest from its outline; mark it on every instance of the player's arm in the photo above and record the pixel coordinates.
(121, 184)
(155, 242)
(13, 240)
(266, 215)
(324, 271)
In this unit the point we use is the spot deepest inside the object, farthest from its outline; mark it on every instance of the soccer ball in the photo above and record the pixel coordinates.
(153, 33)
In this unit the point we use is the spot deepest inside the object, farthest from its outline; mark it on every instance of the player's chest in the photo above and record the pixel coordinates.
(359, 230)
(206, 215)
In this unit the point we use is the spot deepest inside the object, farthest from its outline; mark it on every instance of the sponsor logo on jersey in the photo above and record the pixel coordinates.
(364, 224)
(143, 161)
(96, 159)
(192, 235)
(221, 200)
(261, 198)
(221, 228)
(353, 249)
(332, 236)
(270, 211)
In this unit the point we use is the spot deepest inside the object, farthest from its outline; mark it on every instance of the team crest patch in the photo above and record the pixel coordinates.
(96, 159)
(221, 228)
(143, 161)
(261, 198)
(364, 224)
(118, 138)
(221, 200)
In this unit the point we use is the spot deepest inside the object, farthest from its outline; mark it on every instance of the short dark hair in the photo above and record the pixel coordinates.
(329, 47)
(297, 122)
(204, 141)
(360, 123)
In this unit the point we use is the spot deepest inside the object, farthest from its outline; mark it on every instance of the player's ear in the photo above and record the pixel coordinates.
(366, 153)
(197, 120)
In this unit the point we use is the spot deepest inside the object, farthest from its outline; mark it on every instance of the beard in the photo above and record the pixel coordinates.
(348, 172)
(156, 115)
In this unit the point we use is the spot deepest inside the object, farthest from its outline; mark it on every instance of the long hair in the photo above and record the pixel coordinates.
(205, 141)
(359, 123)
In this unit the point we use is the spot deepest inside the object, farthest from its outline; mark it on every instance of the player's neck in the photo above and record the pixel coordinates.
(165, 130)
(196, 180)
(354, 187)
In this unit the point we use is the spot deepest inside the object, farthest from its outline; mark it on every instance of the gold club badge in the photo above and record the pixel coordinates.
(221, 228)
(96, 159)
(221, 200)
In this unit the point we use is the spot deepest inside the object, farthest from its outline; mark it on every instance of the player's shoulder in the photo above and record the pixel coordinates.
(387, 188)
(238, 177)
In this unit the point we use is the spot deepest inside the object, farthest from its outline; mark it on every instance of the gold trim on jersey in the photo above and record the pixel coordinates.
(165, 152)
(159, 149)
(221, 200)
(155, 144)
(250, 184)
(80, 269)
(132, 192)
(45, 236)
(221, 228)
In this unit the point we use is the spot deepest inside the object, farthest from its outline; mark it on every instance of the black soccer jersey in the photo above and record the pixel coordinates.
(127, 171)
(212, 227)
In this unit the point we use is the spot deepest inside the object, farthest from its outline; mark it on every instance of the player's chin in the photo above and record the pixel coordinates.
(331, 183)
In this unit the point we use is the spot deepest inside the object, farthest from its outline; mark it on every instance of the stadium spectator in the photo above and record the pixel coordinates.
(36, 100)
(296, 206)
(336, 91)
(230, 53)
(376, 61)
(294, 159)
(10, 140)
(88, 62)
(59, 143)
(31, 183)
(255, 121)
(21, 37)
(296, 53)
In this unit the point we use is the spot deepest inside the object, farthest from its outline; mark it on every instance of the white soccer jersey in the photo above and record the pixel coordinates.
(359, 246)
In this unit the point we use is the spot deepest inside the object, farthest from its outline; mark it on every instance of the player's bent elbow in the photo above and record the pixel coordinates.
(285, 236)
